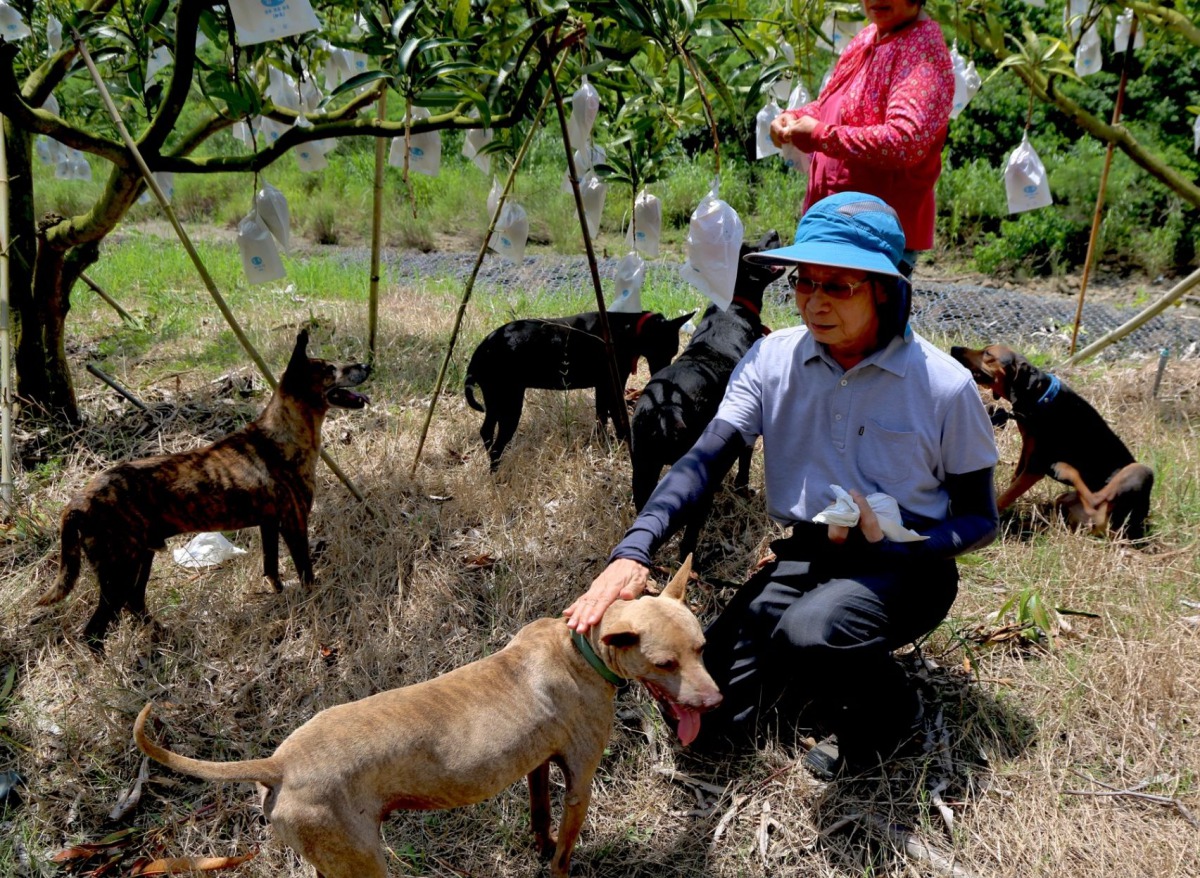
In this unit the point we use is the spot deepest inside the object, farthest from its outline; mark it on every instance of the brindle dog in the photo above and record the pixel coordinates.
(261, 476)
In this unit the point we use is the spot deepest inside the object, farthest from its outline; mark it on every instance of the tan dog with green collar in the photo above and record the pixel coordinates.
(465, 736)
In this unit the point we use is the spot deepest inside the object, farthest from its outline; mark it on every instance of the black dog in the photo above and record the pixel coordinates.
(1063, 437)
(681, 400)
(560, 353)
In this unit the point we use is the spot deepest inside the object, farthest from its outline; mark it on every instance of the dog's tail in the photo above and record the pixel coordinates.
(263, 771)
(472, 381)
(68, 559)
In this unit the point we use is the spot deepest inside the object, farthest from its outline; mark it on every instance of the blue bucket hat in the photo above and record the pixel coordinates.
(846, 230)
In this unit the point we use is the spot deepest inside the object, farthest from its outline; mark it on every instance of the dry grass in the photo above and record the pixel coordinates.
(449, 563)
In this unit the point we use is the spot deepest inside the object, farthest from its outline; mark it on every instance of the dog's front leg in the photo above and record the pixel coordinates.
(294, 528)
(539, 809)
(576, 799)
(1020, 484)
(269, 531)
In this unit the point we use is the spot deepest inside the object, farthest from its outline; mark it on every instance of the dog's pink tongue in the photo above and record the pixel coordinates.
(688, 726)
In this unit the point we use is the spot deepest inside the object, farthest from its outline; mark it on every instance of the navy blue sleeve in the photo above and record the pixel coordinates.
(972, 524)
(685, 483)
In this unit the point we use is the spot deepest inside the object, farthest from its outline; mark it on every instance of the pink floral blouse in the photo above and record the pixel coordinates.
(882, 121)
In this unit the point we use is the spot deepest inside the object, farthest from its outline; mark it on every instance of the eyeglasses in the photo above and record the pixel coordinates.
(835, 289)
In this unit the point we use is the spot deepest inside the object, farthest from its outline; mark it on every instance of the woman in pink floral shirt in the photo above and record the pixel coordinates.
(880, 122)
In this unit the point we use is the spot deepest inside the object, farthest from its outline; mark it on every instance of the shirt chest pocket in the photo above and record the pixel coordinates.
(889, 456)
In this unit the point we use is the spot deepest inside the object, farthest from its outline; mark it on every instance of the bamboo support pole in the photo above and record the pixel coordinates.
(466, 298)
(1170, 297)
(115, 385)
(1099, 212)
(376, 232)
(620, 413)
(209, 283)
(6, 473)
(110, 301)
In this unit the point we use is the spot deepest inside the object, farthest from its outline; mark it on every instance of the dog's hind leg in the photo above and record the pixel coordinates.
(539, 809)
(269, 534)
(136, 602)
(508, 408)
(114, 577)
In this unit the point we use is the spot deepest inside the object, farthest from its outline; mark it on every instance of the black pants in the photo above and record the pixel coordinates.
(821, 633)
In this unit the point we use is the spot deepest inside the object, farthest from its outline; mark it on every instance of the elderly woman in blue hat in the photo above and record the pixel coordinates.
(852, 398)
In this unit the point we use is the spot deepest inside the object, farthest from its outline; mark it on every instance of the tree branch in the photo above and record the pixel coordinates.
(1167, 17)
(187, 23)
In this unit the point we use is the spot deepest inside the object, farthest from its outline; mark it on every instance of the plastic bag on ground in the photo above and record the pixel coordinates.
(763, 146)
(1025, 179)
(646, 230)
(845, 511)
(260, 256)
(272, 208)
(258, 22)
(714, 242)
(206, 550)
(631, 275)
(966, 81)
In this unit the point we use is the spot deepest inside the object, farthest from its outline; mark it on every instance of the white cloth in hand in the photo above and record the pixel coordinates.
(844, 511)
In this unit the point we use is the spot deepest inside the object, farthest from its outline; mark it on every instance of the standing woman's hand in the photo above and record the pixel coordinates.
(622, 579)
(786, 128)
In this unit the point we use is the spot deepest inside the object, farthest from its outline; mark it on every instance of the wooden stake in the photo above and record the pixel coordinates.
(462, 306)
(620, 413)
(110, 301)
(6, 482)
(152, 185)
(1108, 157)
(376, 226)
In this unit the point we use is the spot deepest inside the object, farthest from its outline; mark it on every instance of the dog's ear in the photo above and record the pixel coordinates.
(677, 323)
(300, 351)
(677, 587)
(1019, 374)
(622, 636)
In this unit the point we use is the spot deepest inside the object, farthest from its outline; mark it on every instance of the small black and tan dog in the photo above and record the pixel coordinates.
(262, 475)
(681, 400)
(560, 353)
(1063, 437)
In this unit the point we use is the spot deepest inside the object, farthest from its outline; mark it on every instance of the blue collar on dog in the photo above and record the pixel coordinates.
(581, 643)
(1051, 391)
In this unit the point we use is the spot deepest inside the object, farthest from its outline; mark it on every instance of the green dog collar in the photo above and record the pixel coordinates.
(582, 644)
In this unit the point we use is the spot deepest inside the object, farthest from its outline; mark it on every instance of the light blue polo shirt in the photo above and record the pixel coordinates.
(896, 423)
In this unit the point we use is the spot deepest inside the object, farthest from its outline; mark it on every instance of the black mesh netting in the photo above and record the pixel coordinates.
(970, 313)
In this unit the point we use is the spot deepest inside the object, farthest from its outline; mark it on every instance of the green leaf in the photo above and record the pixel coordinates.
(358, 80)
(154, 12)
(462, 15)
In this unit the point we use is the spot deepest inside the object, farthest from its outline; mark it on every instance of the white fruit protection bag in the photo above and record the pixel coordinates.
(424, 149)
(966, 81)
(1088, 57)
(257, 21)
(631, 275)
(793, 158)
(585, 104)
(714, 243)
(260, 256)
(273, 210)
(646, 230)
(1121, 30)
(166, 185)
(1025, 179)
(593, 190)
(512, 226)
(475, 140)
(12, 25)
(763, 147)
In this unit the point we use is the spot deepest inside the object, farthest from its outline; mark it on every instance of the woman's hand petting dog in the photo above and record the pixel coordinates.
(623, 579)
